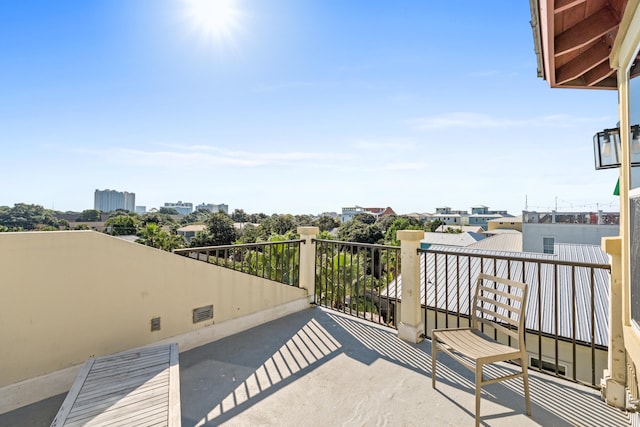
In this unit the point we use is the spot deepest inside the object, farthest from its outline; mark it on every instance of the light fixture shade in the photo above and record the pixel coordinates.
(607, 151)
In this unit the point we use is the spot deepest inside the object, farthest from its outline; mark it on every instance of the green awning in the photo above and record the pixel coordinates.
(616, 191)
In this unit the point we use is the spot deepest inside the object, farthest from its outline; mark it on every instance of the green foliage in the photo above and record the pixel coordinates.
(303, 220)
(400, 223)
(122, 212)
(239, 215)
(82, 227)
(327, 223)
(122, 225)
(249, 234)
(453, 230)
(278, 262)
(168, 211)
(27, 217)
(325, 235)
(153, 235)
(433, 225)
(156, 218)
(364, 218)
(257, 218)
(277, 224)
(219, 231)
(360, 232)
(198, 216)
(344, 281)
(89, 215)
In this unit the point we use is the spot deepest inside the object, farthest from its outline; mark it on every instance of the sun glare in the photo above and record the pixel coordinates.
(216, 21)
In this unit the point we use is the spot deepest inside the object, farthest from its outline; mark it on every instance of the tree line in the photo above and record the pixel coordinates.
(159, 229)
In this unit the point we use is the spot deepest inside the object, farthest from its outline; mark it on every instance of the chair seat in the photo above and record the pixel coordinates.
(475, 345)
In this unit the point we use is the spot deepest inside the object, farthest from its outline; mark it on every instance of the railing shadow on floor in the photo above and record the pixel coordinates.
(236, 373)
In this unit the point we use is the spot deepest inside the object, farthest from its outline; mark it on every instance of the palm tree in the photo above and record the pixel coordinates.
(154, 236)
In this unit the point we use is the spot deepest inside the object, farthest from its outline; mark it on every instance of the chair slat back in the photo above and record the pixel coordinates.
(501, 304)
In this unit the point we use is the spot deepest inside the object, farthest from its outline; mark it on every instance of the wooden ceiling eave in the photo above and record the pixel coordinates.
(583, 63)
(598, 74)
(563, 5)
(586, 31)
(576, 38)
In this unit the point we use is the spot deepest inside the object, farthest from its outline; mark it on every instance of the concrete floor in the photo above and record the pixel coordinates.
(320, 368)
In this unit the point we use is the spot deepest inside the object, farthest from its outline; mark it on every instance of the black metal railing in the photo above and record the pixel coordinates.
(277, 261)
(567, 309)
(349, 278)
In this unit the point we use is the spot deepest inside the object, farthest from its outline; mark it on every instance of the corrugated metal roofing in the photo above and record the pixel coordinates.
(465, 228)
(550, 308)
(581, 253)
(507, 242)
(502, 231)
(450, 239)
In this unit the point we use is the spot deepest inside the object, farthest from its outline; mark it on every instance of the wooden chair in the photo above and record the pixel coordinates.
(499, 304)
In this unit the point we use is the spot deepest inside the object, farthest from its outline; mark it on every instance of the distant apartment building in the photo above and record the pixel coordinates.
(349, 212)
(541, 231)
(183, 208)
(449, 217)
(479, 217)
(141, 210)
(213, 207)
(111, 200)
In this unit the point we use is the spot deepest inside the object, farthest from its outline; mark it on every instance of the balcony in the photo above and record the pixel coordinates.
(319, 367)
(267, 357)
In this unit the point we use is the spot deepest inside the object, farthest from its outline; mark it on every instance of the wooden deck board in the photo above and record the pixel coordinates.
(134, 388)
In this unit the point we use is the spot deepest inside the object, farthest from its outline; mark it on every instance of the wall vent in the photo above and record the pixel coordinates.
(155, 324)
(201, 314)
(548, 366)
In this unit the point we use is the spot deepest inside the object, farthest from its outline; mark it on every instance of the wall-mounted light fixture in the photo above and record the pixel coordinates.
(607, 152)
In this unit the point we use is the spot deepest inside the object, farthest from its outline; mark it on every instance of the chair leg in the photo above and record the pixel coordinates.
(478, 391)
(434, 352)
(525, 380)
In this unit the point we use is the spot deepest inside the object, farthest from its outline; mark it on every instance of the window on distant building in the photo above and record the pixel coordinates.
(547, 245)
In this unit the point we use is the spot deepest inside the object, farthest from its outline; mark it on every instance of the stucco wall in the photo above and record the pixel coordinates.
(590, 234)
(65, 296)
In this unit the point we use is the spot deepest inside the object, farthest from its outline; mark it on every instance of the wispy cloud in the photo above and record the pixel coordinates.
(478, 120)
(176, 155)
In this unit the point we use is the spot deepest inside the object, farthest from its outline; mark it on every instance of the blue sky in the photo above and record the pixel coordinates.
(291, 106)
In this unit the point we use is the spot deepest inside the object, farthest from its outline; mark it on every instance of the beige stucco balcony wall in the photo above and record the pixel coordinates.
(69, 295)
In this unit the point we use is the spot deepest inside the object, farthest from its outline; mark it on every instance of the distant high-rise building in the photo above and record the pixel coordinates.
(111, 200)
(213, 208)
(182, 208)
(141, 210)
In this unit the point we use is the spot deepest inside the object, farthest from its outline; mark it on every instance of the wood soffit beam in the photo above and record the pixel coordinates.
(562, 5)
(598, 74)
(586, 31)
(584, 62)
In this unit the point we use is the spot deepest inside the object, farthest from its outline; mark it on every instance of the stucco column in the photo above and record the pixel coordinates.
(411, 327)
(614, 377)
(308, 260)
